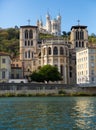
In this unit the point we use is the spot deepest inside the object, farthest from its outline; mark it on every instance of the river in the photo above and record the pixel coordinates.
(48, 113)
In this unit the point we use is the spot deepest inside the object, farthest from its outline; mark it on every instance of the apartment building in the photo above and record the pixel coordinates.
(86, 65)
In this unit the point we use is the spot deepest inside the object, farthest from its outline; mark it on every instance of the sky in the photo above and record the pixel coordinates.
(17, 12)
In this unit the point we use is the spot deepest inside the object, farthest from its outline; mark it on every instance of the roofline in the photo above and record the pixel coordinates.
(28, 26)
(78, 26)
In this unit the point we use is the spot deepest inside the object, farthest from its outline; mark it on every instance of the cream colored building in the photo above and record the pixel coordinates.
(5, 67)
(86, 65)
(28, 48)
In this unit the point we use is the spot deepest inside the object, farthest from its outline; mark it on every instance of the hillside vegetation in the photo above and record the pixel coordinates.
(9, 39)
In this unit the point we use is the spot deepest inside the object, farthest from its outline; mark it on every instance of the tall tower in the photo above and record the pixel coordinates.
(79, 36)
(59, 24)
(48, 23)
(28, 46)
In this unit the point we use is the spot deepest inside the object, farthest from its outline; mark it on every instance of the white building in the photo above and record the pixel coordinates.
(52, 26)
(86, 65)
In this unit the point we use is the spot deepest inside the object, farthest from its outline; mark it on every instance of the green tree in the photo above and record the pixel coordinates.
(46, 73)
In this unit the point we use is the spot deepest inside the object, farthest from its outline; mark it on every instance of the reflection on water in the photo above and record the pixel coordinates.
(48, 113)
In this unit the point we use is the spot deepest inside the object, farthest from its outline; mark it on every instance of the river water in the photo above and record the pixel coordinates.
(48, 113)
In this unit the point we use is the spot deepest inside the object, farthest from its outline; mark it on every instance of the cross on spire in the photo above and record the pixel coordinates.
(28, 21)
(78, 21)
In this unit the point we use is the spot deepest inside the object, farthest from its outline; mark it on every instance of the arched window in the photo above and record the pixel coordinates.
(29, 54)
(49, 50)
(61, 51)
(81, 35)
(55, 51)
(77, 35)
(26, 34)
(30, 34)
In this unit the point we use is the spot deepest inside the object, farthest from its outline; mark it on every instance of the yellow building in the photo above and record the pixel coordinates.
(5, 67)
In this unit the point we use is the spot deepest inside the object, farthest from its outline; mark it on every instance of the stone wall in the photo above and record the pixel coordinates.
(33, 88)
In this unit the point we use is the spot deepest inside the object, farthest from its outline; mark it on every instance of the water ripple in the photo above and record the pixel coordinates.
(49, 113)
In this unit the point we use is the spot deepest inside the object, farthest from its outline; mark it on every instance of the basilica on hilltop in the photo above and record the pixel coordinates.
(53, 26)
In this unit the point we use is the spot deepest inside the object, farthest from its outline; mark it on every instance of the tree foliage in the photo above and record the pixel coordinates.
(46, 73)
(9, 41)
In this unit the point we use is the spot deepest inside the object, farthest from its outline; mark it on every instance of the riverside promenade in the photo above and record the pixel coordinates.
(43, 88)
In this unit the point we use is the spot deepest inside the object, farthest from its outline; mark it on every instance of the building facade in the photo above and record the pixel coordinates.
(51, 27)
(28, 48)
(79, 36)
(56, 53)
(5, 67)
(86, 65)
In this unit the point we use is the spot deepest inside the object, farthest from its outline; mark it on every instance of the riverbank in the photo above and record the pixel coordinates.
(41, 89)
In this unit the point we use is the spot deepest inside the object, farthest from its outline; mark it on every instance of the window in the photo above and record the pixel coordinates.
(55, 51)
(17, 76)
(29, 54)
(3, 60)
(92, 72)
(92, 64)
(31, 43)
(61, 69)
(30, 34)
(81, 35)
(61, 51)
(70, 74)
(26, 34)
(79, 44)
(25, 43)
(82, 44)
(76, 44)
(92, 79)
(49, 50)
(77, 35)
(3, 74)
(28, 43)
(12, 76)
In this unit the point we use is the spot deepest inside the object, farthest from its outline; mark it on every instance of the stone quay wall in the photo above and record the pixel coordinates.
(42, 88)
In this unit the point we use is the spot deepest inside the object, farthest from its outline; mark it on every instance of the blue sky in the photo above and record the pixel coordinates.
(17, 12)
